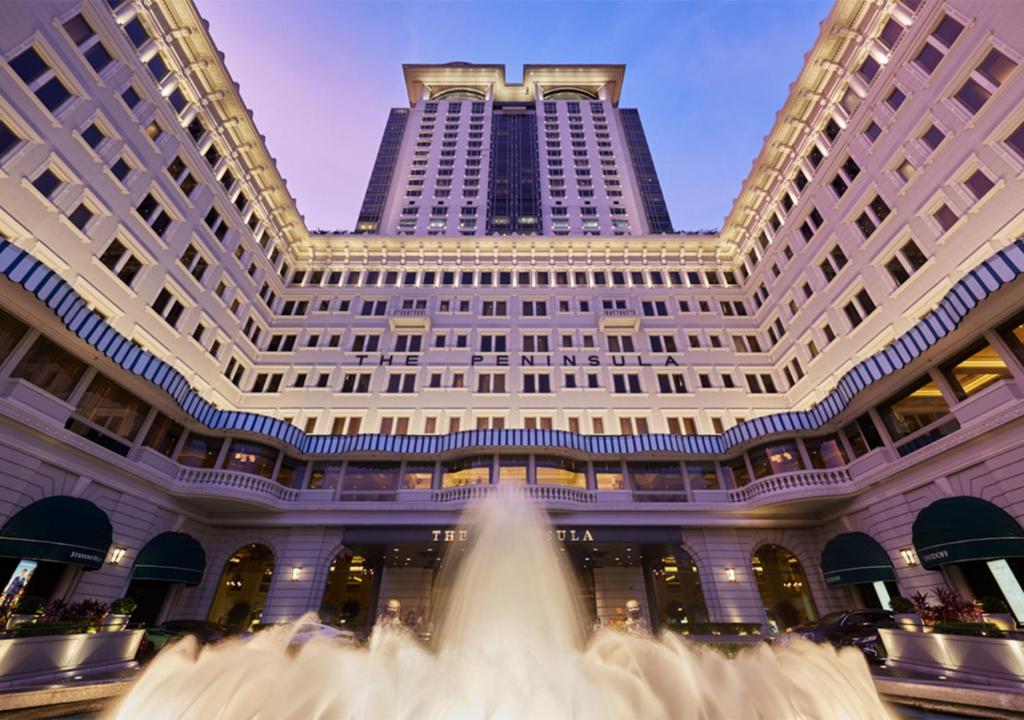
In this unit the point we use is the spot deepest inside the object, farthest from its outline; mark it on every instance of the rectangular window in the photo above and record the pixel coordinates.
(40, 79)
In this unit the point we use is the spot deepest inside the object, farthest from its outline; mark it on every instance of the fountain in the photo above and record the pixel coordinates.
(511, 644)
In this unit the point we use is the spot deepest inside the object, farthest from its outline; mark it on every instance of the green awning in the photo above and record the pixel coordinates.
(962, 529)
(171, 557)
(853, 558)
(59, 529)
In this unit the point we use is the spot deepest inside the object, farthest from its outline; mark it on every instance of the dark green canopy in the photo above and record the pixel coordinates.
(961, 529)
(171, 557)
(60, 529)
(853, 558)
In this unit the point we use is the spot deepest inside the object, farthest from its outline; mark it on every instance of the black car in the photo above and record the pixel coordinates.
(850, 628)
(157, 637)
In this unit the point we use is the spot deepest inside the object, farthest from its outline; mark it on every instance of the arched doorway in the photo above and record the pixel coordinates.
(977, 545)
(168, 562)
(677, 596)
(782, 583)
(857, 562)
(242, 589)
(44, 545)
(350, 594)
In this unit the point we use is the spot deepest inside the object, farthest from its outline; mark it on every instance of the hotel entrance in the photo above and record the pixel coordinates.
(609, 568)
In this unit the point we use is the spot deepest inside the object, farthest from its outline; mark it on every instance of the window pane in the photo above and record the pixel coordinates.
(776, 458)
(825, 452)
(914, 409)
(512, 469)
(50, 368)
(200, 451)
(466, 471)
(975, 370)
(112, 407)
(12, 331)
(560, 471)
(371, 476)
(163, 435)
(608, 476)
(251, 457)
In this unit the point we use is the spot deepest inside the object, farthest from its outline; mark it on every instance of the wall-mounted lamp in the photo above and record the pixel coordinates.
(296, 573)
(909, 556)
(730, 574)
(117, 555)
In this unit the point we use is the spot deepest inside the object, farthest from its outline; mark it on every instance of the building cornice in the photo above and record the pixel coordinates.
(187, 34)
(807, 95)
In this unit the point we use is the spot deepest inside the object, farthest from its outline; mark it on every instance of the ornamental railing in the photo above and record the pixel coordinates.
(548, 493)
(233, 483)
(793, 482)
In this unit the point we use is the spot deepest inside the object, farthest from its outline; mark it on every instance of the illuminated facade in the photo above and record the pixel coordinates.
(754, 426)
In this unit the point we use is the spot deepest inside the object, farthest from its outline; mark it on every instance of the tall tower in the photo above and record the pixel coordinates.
(476, 155)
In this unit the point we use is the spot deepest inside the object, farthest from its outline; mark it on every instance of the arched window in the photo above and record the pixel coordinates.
(242, 589)
(783, 587)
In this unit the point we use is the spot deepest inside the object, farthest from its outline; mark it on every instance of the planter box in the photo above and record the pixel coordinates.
(998, 395)
(34, 660)
(38, 401)
(982, 660)
(874, 460)
(157, 461)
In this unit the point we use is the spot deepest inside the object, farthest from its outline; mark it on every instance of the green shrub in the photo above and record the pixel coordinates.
(29, 606)
(975, 629)
(902, 605)
(994, 605)
(66, 627)
(123, 606)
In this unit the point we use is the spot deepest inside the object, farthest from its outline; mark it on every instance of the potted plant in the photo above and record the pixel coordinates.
(26, 611)
(905, 614)
(120, 610)
(995, 610)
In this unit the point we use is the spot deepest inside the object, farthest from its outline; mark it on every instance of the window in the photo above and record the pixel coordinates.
(153, 214)
(493, 343)
(875, 214)
(50, 368)
(913, 409)
(671, 383)
(833, 263)
(80, 216)
(40, 79)
(859, 308)
(120, 169)
(979, 184)
(47, 183)
(536, 383)
(872, 131)
(355, 382)
(908, 260)
(168, 307)
(86, 40)
(8, 140)
(941, 39)
(933, 137)
(891, 33)
(180, 174)
(974, 370)
(1015, 141)
(993, 71)
(535, 308)
(93, 136)
(895, 98)
(626, 383)
(945, 217)
(119, 261)
(194, 262)
(490, 382)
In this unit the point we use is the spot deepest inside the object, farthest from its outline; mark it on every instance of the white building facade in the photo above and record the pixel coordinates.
(817, 407)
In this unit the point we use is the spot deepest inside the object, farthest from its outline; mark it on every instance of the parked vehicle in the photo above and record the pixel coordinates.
(850, 628)
(157, 637)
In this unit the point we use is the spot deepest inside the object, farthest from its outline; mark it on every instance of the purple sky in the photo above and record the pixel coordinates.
(707, 77)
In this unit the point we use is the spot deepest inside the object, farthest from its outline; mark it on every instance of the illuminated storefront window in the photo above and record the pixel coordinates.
(560, 471)
(250, 457)
(513, 469)
(466, 471)
(609, 476)
(775, 458)
(242, 589)
(825, 452)
(783, 587)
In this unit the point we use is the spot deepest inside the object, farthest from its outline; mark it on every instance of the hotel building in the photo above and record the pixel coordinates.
(207, 407)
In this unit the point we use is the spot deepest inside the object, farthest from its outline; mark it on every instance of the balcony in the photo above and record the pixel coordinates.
(619, 319)
(232, 484)
(542, 493)
(794, 486)
(409, 319)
